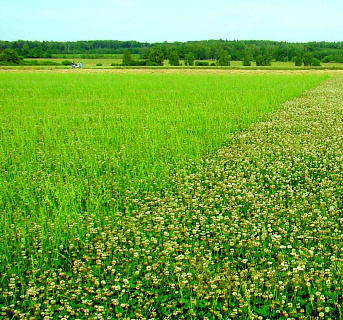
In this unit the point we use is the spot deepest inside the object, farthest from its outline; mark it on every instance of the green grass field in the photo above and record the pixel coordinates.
(91, 63)
(134, 196)
(123, 130)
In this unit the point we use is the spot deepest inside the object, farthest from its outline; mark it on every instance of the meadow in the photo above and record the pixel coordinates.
(170, 196)
(114, 132)
(112, 60)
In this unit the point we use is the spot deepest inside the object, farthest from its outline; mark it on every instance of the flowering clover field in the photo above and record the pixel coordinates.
(252, 232)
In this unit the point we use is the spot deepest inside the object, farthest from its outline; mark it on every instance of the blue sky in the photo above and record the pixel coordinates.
(177, 20)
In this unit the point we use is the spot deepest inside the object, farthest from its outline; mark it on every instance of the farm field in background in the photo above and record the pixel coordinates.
(116, 59)
(176, 196)
(88, 63)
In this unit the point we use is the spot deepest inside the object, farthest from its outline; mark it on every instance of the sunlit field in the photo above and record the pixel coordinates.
(117, 60)
(170, 196)
(92, 63)
(98, 135)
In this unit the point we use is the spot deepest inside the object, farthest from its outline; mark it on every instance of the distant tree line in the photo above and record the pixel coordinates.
(262, 52)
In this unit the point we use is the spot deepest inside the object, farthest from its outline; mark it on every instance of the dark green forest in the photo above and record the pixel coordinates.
(201, 50)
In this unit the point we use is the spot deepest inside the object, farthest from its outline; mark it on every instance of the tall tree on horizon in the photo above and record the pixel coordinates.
(127, 58)
(156, 56)
(224, 58)
(189, 59)
(174, 58)
(298, 60)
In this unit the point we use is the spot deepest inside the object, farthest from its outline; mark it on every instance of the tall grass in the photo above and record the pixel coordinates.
(75, 142)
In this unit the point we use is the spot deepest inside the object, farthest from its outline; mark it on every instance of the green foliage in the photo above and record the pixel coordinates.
(259, 60)
(127, 58)
(201, 63)
(246, 60)
(98, 64)
(202, 50)
(47, 54)
(263, 60)
(267, 59)
(307, 59)
(328, 58)
(40, 63)
(144, 53)
(189, 59)
(66, 63)
(9, 57)
(174, 58)
(91, 56)
(152, 64)
(298, 60)
(35, 52)
(315, 62)
(156, 56)
(224, 58)
(129, 61)
(140, 62)
(24, 50)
